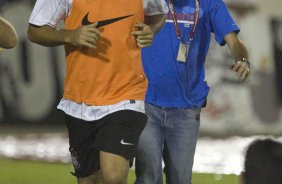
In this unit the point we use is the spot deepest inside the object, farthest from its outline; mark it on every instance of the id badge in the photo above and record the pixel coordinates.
(182, 52)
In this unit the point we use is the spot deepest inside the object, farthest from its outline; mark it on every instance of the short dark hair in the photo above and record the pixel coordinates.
(263, 162)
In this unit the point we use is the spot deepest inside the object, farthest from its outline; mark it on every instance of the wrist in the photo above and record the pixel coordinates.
(67, 36)
(153, 29)
(245, 60)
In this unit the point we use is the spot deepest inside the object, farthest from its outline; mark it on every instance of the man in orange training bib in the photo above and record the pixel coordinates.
(105, 84)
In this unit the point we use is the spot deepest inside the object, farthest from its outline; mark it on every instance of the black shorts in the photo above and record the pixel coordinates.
(116, 133)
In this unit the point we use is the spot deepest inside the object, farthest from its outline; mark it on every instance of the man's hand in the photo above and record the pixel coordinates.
(86, 36)
(242, 69)
(144, 35)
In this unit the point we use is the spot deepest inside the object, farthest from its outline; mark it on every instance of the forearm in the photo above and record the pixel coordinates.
(156, 22)
(48, 36)
(8, 36)
(237, 48)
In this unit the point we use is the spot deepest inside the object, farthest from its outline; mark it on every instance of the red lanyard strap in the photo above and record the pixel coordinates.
(174, 17)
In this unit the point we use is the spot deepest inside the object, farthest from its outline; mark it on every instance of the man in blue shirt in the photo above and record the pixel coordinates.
(177, 90)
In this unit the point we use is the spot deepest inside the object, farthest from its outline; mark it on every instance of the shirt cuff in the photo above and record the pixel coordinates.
(161, 9)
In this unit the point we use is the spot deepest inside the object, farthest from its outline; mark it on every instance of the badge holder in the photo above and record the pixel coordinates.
(183, 51)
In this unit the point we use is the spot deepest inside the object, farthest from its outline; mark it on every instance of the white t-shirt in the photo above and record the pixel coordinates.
(51, 12)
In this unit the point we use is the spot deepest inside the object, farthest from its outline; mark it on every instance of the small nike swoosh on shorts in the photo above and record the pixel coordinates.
(126, 143)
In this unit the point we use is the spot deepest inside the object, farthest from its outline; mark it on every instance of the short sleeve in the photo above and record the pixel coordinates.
(221, 21)
(155, 7)
(50, 12)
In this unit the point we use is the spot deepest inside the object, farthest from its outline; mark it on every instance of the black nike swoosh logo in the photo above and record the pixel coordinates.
(102, 23)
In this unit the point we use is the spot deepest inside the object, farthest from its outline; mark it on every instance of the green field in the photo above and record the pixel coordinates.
(28, 172)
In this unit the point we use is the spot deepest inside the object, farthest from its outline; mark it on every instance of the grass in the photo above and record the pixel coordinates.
(30, 172)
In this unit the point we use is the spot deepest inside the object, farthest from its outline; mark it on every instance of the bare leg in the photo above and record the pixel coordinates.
(92, 179)
(114, 169)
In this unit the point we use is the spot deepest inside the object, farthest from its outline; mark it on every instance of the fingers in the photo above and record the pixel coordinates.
(139, 26)
(88, 44)
(137, 33)
(88, 41)
(87, 36)
(142, 29)
(245, 74)
(139, 29)
(94, 24)
(92, 41)
(144, 43)
(242, 70)
(144, 35)
(91, 36)
(92, 29)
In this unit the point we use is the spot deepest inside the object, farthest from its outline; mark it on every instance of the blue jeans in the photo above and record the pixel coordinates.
(170, 135)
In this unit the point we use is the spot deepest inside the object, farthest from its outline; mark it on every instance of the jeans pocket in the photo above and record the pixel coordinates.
(193, 113)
